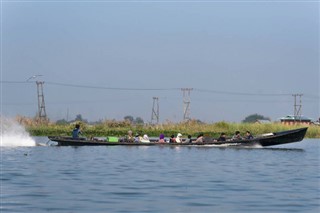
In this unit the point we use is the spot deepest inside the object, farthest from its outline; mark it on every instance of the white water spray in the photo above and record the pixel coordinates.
(14, 134)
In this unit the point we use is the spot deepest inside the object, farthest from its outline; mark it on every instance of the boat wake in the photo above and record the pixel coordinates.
(13, 134)
(236, 145)
(257, 146)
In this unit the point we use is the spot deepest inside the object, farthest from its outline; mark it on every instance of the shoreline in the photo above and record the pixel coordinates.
(190, 128)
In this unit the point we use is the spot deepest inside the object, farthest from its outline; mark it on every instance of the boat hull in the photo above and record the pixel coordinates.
(270, 139)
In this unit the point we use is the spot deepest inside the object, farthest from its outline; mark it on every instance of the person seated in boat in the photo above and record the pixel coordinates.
(237, 136)
(145, 139)
(129, 137)
(189, 140)
(137, 138)
(222, 137)
(199, 138)
(248, 135)
(76, 132)
(161, 139)
(172, 139)
(179, 138)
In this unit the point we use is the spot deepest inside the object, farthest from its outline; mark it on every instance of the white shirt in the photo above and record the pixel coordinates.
(179, 139)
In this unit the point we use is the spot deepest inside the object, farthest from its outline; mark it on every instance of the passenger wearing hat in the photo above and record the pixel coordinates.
(145, 139)
(179, 138)
(161, 139)
(129, 137)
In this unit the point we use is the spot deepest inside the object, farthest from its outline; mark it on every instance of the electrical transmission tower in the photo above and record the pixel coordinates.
(42, 115)
(297, 106)
(155, 111)
(186, 103)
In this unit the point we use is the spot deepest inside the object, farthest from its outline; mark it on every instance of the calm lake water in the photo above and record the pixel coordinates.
(161, 179)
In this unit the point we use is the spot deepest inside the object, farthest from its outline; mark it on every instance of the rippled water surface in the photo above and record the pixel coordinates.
(161, 179)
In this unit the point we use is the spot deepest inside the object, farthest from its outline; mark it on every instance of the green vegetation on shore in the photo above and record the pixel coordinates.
(120, 128)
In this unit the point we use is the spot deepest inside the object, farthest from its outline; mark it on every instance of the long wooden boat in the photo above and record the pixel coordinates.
(269, 139)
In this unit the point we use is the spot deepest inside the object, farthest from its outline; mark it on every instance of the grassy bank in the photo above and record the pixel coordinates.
(213, 130)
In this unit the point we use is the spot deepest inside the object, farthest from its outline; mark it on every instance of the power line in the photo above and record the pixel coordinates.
(33, 77)
(159, 89)
(166, 89)
(90, 86)
(109, 101)
(109, 88)
(16, 82)
(242, 93)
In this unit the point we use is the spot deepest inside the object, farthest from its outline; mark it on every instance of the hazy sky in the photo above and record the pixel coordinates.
(240, 58)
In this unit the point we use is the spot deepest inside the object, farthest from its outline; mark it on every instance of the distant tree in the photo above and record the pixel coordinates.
(61, 122)
(193, 121)
(138, 120)
(199, 121)
(79, 117)
(254, 117)
(129, 118)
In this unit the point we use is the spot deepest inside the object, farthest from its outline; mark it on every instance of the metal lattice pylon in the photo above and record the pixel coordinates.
(42, 115)
(297, 106)
(186, 103)
(155, 111)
